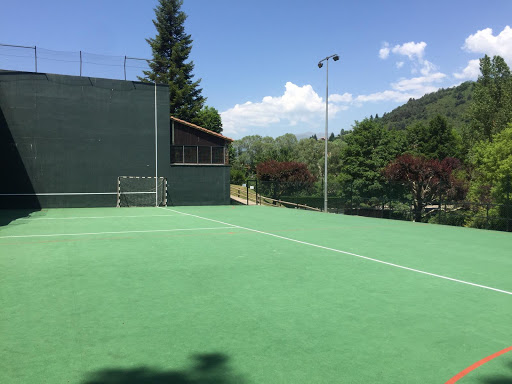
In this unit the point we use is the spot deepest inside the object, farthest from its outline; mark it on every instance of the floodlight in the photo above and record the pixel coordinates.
(335, 57)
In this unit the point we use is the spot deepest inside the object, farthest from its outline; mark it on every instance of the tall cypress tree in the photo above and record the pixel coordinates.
(171, 48)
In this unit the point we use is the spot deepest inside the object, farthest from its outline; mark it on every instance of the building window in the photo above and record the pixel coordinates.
(189, 154)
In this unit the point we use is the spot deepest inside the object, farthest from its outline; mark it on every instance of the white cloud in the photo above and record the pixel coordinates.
(485, 42)
(427, 67)
(471, 71)
(422, 84)
(411, 50)
(345, 98)
(384, 51)
(405, 89)
(302, 105)
(388, 95)
(296, 105)
(415, 52)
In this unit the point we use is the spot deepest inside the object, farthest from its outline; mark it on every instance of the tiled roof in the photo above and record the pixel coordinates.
(201, 128)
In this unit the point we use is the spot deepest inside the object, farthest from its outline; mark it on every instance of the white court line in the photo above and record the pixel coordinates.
(112, 233)
(348, 253)
(88, 217)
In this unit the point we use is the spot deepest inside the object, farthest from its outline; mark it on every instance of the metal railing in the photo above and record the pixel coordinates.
(394, 201)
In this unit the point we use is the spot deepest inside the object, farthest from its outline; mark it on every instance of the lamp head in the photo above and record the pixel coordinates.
(320, 65)
(336, 58)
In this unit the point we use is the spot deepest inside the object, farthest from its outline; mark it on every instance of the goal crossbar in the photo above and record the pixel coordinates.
(141, 191)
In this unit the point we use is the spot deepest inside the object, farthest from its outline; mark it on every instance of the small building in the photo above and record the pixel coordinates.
(200, 158)
(192, 144)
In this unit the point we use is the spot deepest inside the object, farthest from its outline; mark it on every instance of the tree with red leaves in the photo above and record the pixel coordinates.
(280, 175)
(425, 178)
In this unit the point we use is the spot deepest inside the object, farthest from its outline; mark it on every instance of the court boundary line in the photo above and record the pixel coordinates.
(89, 217)
(71, 193)
(111, 233)
(347, 253)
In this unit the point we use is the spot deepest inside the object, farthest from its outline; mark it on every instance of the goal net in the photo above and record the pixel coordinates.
(140, 191)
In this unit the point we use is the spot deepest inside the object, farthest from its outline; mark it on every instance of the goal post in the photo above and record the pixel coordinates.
(141, 191)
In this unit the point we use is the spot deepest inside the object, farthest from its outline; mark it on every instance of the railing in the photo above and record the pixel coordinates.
(193, 154)
(395, 201)
(248, 196)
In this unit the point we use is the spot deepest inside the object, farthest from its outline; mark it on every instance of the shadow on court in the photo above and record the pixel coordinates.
(507, 379)
(9, 215)
(16, 189)
(210, 368)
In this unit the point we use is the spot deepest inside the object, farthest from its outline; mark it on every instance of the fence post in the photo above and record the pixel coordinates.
(507, 207)
(440, 207)
(352, 198)
(487, 216)
(35, 56)
(257, 192)
(247, 190)
(125, 68)
(80, 63)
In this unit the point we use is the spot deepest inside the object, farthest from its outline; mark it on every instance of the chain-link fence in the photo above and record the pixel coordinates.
(396, 201)
(78, 63)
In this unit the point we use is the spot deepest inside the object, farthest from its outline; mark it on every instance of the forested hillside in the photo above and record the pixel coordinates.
(452, 146)
(452, 103)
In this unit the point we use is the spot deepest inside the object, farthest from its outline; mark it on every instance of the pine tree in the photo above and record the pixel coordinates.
(171, 48)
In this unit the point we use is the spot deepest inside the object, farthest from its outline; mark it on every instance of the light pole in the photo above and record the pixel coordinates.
(320, 65)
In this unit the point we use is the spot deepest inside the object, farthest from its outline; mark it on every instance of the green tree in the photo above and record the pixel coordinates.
(171, 48)
(344, 132)
(251, 150)
(209, 118)
(493, 165)
(437, 140)
(491, 107)
(285, 147)
(311, 151)
(369, 148)
(492, 161)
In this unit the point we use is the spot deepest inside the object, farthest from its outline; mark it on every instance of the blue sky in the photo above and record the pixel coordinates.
(258, 59)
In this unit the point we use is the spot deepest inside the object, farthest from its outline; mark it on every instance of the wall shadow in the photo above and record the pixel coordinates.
(507, 379)
(212, 368)
(14, 179)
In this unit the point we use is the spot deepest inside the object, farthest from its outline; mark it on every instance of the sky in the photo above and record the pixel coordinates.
(257, 60)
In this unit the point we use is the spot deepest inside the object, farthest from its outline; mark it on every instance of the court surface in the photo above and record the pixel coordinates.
(237, 294)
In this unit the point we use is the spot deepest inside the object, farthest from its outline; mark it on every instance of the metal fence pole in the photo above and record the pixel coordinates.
(35, 56)
(507, 207)
(125, 68)
(80, 63)
(257, 192)
(487, 216)
(440, 207)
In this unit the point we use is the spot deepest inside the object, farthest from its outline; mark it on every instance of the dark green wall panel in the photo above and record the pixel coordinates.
(69, 134)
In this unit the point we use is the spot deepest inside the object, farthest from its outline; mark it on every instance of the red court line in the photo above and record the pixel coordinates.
(463, 373)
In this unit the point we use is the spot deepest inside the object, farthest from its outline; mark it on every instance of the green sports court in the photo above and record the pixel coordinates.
(250, 294)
